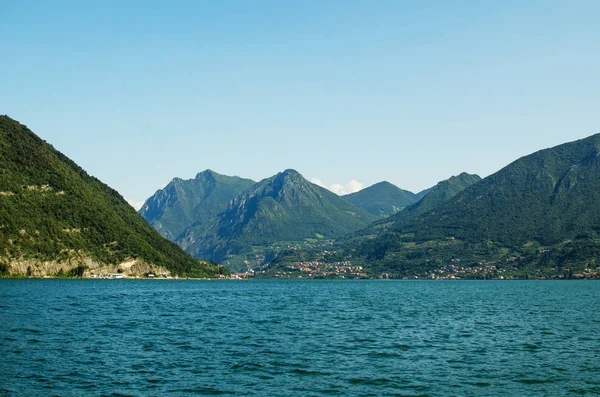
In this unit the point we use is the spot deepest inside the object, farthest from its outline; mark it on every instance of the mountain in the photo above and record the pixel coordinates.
(183, 203)
(56, 219)
(381, 199)
(344, 247)
(283, 208)
(537, 215)
(433, 198)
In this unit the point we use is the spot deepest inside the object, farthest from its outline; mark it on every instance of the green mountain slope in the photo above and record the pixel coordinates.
(340, 251)
(53, 215)
(422, 193)
(433, 198)
(381, 199)
(436, 196)
(183, 203)
(540, 213)
(283, 208)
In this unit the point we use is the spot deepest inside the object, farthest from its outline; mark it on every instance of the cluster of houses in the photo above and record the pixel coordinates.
(490, 271)
(454, 271)
(121, 275)
(317, 269)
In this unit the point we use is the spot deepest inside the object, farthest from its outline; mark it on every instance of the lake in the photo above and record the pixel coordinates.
(299, 337)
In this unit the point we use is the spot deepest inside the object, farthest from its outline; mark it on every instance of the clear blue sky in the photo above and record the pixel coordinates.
(410, 92)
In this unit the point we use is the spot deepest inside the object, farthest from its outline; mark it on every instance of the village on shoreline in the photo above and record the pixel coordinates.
(344, 271)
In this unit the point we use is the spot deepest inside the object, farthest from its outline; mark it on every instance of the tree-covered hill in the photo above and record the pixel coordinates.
(183, 203)
(382, 199)
(433, 198)
(542, 210)
(51, 210)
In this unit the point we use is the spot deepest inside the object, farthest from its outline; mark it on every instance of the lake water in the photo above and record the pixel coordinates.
(299, 338)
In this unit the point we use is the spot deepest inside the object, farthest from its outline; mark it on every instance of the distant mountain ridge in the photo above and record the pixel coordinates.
(433, 198)
(244, 224)
(381, 199)
(285, 207)
(183, 203)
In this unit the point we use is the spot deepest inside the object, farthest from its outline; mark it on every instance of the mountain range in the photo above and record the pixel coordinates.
(346, 245)
(283, 208)
(244, 224)
(539, 216)
(183, 203)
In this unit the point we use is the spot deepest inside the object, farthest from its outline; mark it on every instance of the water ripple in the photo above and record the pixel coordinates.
(297, 338)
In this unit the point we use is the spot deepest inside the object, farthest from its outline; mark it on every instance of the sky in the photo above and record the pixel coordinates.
(348, 93)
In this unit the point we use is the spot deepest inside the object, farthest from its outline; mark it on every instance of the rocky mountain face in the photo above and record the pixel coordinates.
(183, 203)
(283, 208)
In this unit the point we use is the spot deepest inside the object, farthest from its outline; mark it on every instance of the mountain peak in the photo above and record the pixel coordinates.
(185, 202)
(206, 174)
(284, 207)
(383, 185)
(381, 199)
(288, 176)
(291, 173)
(461, 178)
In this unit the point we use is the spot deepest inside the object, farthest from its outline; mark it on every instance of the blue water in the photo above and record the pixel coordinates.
(299, 338)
